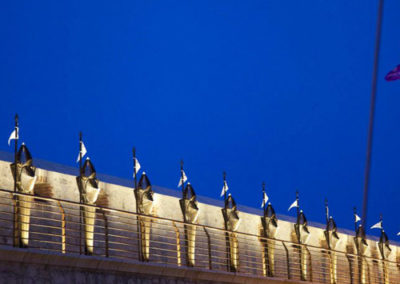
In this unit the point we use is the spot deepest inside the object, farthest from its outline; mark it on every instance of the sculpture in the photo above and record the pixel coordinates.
(270, 229)
(303, 235)
(362, 246)
(25, 177)
(144, 203)
(332, 240)
(190, 212)
(232, 222)
(89, 190)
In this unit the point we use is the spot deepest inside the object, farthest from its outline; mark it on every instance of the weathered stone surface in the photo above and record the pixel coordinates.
(13, 272)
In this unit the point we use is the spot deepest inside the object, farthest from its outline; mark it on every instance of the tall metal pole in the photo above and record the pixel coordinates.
(80, 153)
(326, 211)
(300, 249)
(16, 239)
(134, 168)
(182, 180)
(372, 113)
(263, 190)
(227, 236)
(140, 253)
(224, 175)
(80, 194)
(15, 151)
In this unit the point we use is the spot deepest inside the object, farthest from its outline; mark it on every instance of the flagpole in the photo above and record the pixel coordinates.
(134, 168)
(80, 195)
(182, 180)
(80, 153)
(227, 237)
(298, 204)
(140, 253)
(326, 211)
(224, 174)
(15, 151)
(263, 189)
(16, 239)
(355, 219)
(372, 112)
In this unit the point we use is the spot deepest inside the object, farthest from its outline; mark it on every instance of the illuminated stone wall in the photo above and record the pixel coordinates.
(167, 206)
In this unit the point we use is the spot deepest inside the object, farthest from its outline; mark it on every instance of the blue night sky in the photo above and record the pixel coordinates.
(274, 91)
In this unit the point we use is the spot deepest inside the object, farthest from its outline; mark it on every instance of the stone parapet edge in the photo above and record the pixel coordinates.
(98, 263)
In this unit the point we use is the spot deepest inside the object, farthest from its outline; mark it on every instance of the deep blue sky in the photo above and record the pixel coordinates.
(266, 90)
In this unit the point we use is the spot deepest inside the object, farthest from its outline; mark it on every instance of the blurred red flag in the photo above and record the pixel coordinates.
(394, 74)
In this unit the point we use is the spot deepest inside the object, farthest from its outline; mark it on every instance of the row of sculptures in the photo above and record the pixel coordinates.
(25, 177)
(24, 174)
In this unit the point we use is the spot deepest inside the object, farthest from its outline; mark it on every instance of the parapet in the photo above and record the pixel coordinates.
(213, 236)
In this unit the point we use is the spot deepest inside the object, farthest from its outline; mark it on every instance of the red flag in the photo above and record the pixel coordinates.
(394, 74)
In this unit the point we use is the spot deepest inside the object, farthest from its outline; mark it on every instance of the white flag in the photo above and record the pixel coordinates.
(377, 225)
(137, 167)
(294, 204)
(14, 135)
(84, 151)
(224, 188)
(357, 218)
(183, 178)
(265, 200)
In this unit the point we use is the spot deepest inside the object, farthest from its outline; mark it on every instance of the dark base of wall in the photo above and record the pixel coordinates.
(14, 272)
(35, 266)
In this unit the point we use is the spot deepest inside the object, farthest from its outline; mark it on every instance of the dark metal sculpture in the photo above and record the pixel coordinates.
(270, 229)
(384, 245)
(232, 222)
(25, 177)
(301, 228)
(190, 211)
(303, 235)
(144, 205)
(361, 246)
(332, 240)
(270, 222)
(385, 251)
(89, 190)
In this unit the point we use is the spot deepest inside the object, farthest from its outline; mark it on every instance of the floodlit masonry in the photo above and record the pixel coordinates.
(54, 210)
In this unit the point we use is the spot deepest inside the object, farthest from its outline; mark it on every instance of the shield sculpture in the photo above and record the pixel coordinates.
(303, 235)
(144, 205)
(232, 222)
(270, 229)
(88, 185)
(362, 246)
(385, 251)
(332, 239)
(190, 213)
(25, 174)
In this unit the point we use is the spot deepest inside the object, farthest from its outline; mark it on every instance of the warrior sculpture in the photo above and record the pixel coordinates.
(190, 211)
(362, 247)
(144, 205)
(332, 239)
(385, 250)
(303, 235)
(88, 185)
(25, 178)
(270, 229)
(232, 222)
